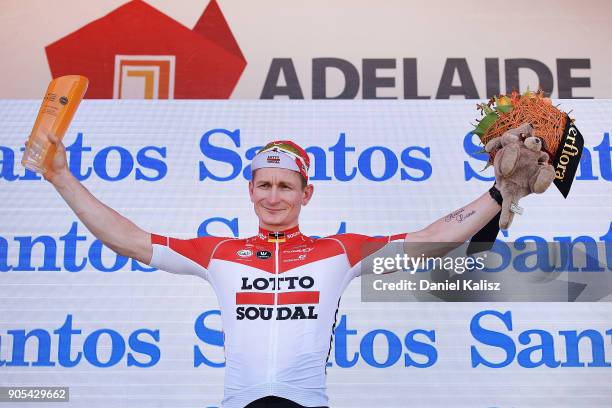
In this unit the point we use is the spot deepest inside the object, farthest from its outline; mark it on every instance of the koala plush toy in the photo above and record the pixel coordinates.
(521, 168)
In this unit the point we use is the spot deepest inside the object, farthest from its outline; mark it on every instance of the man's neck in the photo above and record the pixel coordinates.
(278, 228)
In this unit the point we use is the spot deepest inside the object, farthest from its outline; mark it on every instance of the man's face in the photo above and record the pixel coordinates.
(277, 196)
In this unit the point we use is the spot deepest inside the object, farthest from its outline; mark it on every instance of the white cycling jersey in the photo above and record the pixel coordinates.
(278, 293)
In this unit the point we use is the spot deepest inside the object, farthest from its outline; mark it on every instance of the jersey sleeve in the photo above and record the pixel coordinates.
(184, 256)
(358, 247)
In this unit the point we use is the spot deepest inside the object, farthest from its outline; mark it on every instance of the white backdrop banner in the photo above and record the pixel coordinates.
(117, 333)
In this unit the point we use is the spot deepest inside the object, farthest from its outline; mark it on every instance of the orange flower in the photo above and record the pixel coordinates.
(515, 96)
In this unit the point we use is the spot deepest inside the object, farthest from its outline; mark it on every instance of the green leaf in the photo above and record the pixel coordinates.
(487, 109)
(485, 123)
(504, 108)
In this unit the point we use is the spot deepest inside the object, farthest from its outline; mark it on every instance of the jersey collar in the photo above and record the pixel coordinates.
(288, 235)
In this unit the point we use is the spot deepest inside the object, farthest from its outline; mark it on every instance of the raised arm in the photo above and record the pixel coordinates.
(106, 224)
(457, 227)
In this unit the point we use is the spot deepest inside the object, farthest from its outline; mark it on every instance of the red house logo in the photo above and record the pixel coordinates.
(138, 52)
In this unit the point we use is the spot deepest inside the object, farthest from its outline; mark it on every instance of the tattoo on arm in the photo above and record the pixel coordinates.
(466, 216)
(453, 215)
(459, 215)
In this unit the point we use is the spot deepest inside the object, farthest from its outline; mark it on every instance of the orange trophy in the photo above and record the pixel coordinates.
(58, 106)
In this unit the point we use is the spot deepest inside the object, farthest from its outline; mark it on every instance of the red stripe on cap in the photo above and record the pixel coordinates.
(298, 298)
(254, 298)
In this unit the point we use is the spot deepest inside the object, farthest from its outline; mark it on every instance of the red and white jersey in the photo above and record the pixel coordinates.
(278, 293)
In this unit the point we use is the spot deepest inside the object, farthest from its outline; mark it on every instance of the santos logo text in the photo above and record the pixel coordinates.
(223, 158)
(496, 342)
(222, 162)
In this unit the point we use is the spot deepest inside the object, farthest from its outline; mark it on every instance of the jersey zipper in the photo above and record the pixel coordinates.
(274, 335)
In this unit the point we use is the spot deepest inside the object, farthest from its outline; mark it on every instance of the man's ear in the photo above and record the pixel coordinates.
(308, 192)
(251, 190)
